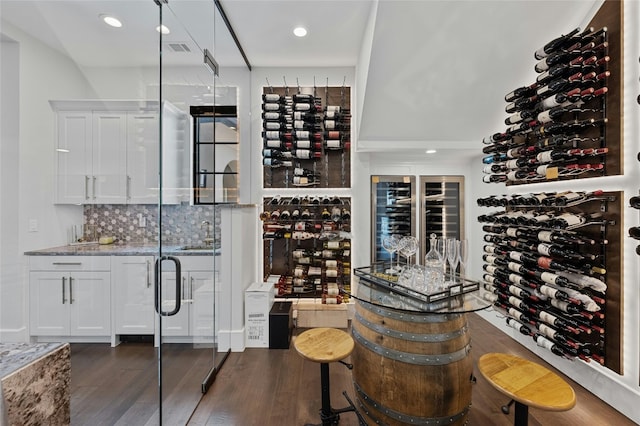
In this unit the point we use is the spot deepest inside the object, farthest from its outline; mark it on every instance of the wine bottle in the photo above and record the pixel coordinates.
(308, 117)
(274, 162)
(305, 181)
(523, 115)
(561, 99)
(275, 134)
(276, 153)
(546, 277)
(305, 98)
(336, 245)
(635, 202)
(306, 154)
(518, 326)
(555, 44)
(495, 178)
(634, 232)
(564, 238)
(520, 92)
(518, 105)
(307, 144)
(277, 144)
(574, 197)
(559, 84)
(569, 219)
(548, 344)
(271, 98)
(273, 107)
(307, 135)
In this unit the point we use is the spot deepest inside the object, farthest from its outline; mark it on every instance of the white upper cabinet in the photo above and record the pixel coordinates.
(107, 152)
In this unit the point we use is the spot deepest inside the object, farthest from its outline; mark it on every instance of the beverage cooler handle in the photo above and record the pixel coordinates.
(176, 309)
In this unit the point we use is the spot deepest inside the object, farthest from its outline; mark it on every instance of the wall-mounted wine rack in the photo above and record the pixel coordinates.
(552, 264)
(566, 124)
(307, 246)
(307, 137)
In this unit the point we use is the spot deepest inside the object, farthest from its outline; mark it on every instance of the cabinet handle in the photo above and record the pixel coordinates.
(94, 187)
(86, 187)
(191, 289)
(67, 263)
(184, 289)
(70, 290)
(64, 281)
(148, 274)
(128, 188)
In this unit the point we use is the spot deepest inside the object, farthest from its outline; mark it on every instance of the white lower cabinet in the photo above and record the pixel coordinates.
(133, 284)
(195, 319)
(69, 296)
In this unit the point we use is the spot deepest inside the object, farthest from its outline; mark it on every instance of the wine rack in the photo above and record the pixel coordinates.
(308, 129)
(307, 245)
(552, 265)
(562, 126)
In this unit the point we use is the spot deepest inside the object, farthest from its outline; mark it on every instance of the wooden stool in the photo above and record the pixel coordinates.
(527, 383)
(325, 345)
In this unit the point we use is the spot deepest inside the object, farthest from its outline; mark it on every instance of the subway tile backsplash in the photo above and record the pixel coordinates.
(181, 224)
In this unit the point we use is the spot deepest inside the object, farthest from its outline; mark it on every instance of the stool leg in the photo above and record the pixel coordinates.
(522, 414)
(325, 412)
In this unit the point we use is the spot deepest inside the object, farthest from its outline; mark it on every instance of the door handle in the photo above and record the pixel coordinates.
(157, 292)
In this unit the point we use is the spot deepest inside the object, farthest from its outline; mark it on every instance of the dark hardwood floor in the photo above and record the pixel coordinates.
(268, 387)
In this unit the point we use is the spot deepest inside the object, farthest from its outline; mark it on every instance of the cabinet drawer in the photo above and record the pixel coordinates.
(70, 263)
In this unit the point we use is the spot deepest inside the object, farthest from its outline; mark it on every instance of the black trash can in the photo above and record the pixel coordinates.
(280, 325)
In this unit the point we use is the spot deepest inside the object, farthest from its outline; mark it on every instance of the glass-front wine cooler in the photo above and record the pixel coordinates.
(393, 210)
(441, 208)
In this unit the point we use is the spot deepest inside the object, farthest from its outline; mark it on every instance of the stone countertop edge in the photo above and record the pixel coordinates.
(120, 250)
(15, 356)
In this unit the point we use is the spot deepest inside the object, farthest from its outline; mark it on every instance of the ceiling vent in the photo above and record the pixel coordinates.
(177, 47)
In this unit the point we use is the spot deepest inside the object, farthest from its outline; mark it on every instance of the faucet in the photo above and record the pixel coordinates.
(207, 226)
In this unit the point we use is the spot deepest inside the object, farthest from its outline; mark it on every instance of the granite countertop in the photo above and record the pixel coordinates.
(118, 249)
(14, 356)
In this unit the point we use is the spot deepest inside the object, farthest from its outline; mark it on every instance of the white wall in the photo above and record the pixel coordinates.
(36, 74)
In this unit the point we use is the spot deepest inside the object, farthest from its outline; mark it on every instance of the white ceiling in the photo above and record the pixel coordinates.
(438, 70)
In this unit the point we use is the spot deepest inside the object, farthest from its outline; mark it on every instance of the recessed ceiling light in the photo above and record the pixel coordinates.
(162, 29)
(111, 20)
(430, 151)
(300, 31)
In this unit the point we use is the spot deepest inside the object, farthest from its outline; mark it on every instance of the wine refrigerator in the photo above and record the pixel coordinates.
(441, 208)
(393, 211)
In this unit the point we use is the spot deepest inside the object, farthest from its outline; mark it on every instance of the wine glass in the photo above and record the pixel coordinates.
(409, 247)
(390, 244)
(452, 256)
(400, 242)
(463, 256)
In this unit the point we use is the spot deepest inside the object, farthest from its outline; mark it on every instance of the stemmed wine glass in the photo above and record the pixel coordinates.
(452, 256)
(463, 256)
(409, 247)
(390, 244)
(400, 243)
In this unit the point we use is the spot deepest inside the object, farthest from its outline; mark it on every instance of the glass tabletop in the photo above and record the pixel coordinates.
(377, 288)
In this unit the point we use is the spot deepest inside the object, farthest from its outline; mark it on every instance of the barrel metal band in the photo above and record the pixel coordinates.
(412, 337)
(408, 317)
(404, 418)
(411, 358)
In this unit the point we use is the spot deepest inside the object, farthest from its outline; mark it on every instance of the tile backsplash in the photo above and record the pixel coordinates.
(138, 224)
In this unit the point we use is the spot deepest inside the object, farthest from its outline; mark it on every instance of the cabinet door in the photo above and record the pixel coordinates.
(73, 157)
(133, 294)
(142, 158)
(48, 304)
(108, 183)
(89, 301)
(202, 296)
(178, 324)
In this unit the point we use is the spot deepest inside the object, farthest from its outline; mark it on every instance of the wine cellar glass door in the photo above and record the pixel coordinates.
(393, 210)
(441, 208)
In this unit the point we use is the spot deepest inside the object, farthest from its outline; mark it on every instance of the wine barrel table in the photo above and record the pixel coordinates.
(527, 383)
(411, 360)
